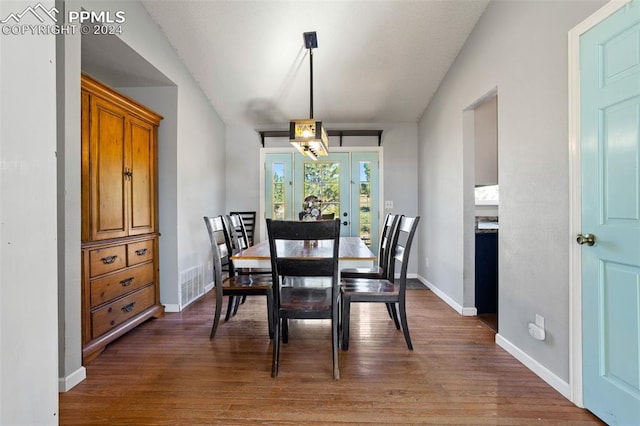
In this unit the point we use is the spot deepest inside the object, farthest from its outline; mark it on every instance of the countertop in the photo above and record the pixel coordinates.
(487, 224)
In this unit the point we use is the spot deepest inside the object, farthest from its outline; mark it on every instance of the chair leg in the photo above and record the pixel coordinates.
(335, 343)
(236, 304)
(216, 317)
(270, 312)
(276, 349)
(393, 313)
(285, 330)
(346, 315)
(388, 305)
(405, 326)
(230, 303)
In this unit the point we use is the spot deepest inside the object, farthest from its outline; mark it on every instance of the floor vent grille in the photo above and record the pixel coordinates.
(191, 285)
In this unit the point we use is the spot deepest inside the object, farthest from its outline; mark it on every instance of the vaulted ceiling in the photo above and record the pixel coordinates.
(376, 61)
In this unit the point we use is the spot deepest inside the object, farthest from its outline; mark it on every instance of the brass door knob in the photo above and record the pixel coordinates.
(588, 239)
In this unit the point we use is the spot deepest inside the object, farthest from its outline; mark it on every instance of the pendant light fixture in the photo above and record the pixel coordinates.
(307, 134)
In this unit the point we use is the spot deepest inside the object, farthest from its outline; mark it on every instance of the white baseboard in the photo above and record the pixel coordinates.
(543, 372)
(448, 300)
(171, 307)
(470, 312)
(66, 383)
(175, 307)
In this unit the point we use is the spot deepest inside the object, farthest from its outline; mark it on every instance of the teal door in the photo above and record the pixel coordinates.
(346, 182)
(610, 152)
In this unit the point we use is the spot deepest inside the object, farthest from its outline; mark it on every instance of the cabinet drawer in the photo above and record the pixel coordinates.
(139, 252)
(113, 314)
(107, 259)
(112, 286)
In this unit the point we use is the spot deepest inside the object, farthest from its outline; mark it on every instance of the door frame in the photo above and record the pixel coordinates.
(262, 234)
(575, 198)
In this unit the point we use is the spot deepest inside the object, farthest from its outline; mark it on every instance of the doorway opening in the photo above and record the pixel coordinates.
(480, 134)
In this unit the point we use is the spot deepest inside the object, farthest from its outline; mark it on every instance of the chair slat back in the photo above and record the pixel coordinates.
(238, 228)
(229, 234)
(219, 248)
(249, 221)
(300, 232)
(231, 242)
(386, 237)
(401, 248)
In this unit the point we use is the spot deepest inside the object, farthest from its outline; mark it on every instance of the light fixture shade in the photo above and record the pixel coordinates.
(309, 137)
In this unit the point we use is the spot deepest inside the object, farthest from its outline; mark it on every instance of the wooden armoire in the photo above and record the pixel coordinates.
(120, 286)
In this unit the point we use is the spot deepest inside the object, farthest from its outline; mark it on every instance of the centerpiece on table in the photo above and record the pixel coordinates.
(311, 208)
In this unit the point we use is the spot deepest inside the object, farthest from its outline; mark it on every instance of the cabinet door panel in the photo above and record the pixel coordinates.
(85, 178)
(107, 152)
(142, 155)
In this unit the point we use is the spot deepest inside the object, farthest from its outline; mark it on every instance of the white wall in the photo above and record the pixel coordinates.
(486, 142)
(520, 48)
(243, 169)
(400, 144)
(70, 367)
(28, 247)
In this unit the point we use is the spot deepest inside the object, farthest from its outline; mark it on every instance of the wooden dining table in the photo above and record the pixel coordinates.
(353, 253)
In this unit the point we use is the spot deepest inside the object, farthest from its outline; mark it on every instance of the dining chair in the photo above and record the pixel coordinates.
(391, 290)
(306, 286)
(234, 286)
(380, 270)
(238, 240)
(249, 222)
(232, 225)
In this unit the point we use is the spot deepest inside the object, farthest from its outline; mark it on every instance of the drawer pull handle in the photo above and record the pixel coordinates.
(126, 282)
(129, 307)
(109, 259)
(141, 252)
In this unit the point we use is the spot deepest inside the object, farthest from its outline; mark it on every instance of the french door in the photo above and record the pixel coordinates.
(347, 183)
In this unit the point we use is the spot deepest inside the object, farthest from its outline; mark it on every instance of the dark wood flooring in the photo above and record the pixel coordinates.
(168, 372)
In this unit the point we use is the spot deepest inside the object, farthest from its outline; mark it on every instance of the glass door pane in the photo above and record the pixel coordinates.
(365, 200)
(278, 186)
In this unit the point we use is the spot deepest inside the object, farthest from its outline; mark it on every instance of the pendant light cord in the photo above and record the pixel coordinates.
(311, 82)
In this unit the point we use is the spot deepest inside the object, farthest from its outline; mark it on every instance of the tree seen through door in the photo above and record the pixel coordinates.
(322, 180)
(365, 201)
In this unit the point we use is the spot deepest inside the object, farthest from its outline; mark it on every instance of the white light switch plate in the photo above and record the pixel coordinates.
(388, 204)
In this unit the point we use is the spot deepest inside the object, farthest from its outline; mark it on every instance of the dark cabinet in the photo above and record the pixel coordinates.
(487, 272)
